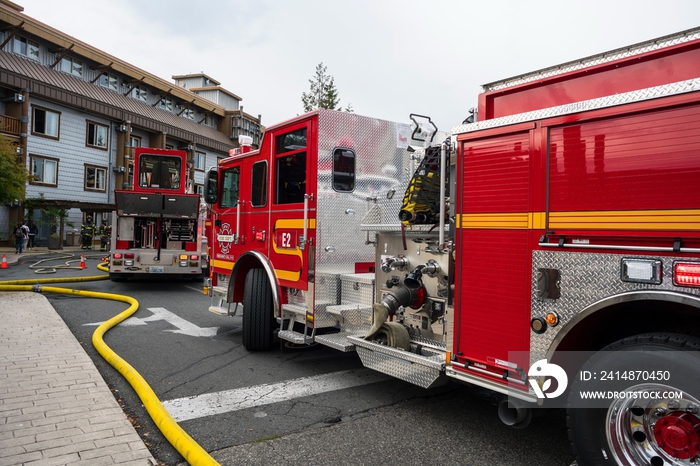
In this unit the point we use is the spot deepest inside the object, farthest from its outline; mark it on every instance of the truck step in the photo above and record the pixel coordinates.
(220, 310)
(322, 318)
(294, 308)
(218, 302)
(424, 371)
(291, 336)
(338, 341)
(353, 315)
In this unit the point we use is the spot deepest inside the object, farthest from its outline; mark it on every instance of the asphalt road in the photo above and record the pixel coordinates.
(311, 405)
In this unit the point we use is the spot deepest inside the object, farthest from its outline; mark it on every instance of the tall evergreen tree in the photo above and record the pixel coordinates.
(322, 92)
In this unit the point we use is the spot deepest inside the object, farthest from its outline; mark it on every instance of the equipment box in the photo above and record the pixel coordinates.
(357, 288)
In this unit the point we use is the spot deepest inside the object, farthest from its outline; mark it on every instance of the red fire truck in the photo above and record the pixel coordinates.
(156, 228)
(561, 230)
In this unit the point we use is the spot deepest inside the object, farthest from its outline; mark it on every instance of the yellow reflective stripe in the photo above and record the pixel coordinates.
(585, 220)
(536, 221)
(288, 275)
(281, 274)
(500, 221)
(294, 223)
(219, 264)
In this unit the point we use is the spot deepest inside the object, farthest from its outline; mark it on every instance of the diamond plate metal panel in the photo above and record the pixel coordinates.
(586, 279)
(328, 288)
(681, 87)
(357, 288)
(380, 166)
(426, 372)
(354, 317)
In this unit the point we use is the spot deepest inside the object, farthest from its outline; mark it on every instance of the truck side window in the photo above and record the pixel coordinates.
(258, 197)
(291, 178)
(343, 170)
(290, 149)
(229, 189)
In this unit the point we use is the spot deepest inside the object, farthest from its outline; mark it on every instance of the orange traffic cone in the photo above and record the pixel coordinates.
(4, 262)
(82, 262)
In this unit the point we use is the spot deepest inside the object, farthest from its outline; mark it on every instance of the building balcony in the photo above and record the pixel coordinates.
(9, 125)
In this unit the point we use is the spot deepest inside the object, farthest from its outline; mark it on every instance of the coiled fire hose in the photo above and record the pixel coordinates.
(193, 453)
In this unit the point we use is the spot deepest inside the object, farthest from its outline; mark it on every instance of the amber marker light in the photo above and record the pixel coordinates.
(552, 319)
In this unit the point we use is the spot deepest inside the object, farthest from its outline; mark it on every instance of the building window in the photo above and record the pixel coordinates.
(96, 135)
(135, 141)
(109, 81)
(71, 66)
(210, 120)
(188, 113)
(95, 178)
(45, 122)
(200, 160)
(26, 47)
(139, 93)
(44, 170)
(166, 104)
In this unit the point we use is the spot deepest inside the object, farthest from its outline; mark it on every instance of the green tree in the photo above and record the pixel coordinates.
(13, 175)
(322, 92)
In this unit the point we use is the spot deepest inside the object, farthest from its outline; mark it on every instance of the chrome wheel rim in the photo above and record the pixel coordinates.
(653, 430)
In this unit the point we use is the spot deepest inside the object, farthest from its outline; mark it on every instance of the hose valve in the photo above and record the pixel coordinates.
(393, 263)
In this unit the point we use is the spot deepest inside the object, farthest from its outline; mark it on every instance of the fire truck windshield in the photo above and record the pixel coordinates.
(159, 171)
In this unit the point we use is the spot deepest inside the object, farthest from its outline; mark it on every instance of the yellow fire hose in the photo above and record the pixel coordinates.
(193, 453)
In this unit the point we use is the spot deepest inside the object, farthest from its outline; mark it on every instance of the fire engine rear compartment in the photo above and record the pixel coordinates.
(155, 230)
(623, 178)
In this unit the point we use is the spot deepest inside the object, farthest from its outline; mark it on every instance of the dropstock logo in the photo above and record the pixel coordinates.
(549, 371)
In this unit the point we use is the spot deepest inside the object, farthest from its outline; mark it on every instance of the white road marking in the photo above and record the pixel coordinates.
(210, 404)
(184, 327)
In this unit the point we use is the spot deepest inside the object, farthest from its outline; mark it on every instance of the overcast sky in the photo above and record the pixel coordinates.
(389, 58)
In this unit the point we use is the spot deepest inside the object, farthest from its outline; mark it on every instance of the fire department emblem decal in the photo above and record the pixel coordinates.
(225, 238)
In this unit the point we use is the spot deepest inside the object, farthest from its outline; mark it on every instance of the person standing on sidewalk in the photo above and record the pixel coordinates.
(19, 235)
(25, 230)
(33, 231)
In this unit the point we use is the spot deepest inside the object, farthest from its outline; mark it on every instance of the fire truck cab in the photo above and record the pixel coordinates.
(286, 235)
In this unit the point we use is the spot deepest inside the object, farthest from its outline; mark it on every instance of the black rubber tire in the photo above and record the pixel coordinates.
(589, 428)
(257, 311)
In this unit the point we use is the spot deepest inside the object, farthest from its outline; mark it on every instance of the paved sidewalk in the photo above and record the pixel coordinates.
(55, 408)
